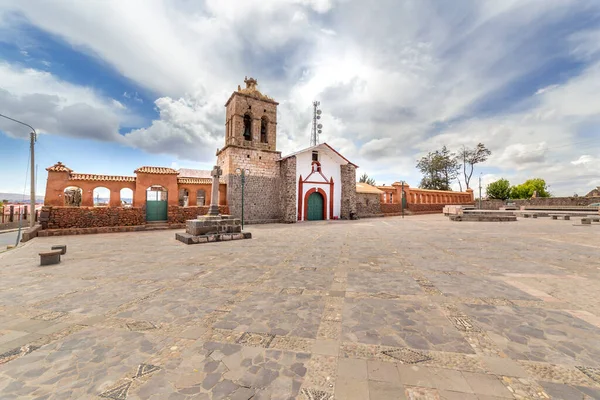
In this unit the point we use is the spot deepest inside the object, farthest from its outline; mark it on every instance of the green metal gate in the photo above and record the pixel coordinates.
(156, 210)
(156, 204)
(315, 207)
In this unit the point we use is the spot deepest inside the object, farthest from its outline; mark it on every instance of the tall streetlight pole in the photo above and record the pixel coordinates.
(242, 172)
(32, 139)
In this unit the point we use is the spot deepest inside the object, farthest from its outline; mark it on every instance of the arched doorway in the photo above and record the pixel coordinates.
(316, 204)
(156, 203)
(73, 196)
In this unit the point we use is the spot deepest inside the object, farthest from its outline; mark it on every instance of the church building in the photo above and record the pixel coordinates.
(316, 183)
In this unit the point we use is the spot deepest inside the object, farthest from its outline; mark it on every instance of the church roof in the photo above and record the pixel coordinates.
(362, 187)
(322, 146)
(59, 167)
(193, 173)
(156, 170)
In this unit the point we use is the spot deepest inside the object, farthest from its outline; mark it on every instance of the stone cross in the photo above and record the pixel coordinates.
(214, 198)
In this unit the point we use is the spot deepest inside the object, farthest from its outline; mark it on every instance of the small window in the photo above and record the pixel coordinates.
(315, 156)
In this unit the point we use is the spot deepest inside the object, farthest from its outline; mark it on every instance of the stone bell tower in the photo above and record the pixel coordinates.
(251, 145)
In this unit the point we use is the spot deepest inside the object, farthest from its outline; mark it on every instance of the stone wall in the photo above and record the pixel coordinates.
(368, 205)
(541, 201)
(261, 198)
(53, 217)
(348, 176)
(289, 189)
(178, 215)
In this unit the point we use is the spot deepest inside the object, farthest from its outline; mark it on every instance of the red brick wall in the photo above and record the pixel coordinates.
(391, 208)
(53, 217)
(179, 215)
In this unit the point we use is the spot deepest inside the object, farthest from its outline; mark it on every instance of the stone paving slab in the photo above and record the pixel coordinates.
(389, 308)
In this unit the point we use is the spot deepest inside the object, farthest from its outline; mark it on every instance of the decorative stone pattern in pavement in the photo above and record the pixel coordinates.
(427, 286)
(140, 326)
(524, 389)
(407, 356)
(557, 373)
(50, 316)
(117, 393)
(314, 394)
(593, 373)
(401, 324)
(256, 339)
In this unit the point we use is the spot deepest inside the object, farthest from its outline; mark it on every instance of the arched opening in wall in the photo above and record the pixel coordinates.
(126, 197)
(101, 196)
(72, 196)
(184, 197)
(156, 203)
(201, 197)
(264, 123)
(247, 127)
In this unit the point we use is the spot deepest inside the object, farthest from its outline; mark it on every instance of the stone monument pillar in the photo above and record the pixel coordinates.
(214, 198)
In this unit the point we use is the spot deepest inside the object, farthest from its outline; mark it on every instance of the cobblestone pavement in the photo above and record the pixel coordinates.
(419, 308)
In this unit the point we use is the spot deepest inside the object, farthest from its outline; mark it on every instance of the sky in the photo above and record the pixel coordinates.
(113, 85)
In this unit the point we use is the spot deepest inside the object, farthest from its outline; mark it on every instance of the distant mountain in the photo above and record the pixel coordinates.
(18, 198)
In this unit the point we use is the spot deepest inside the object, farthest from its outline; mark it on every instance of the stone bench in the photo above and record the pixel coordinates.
(50, 257)
(528, 215)
(62, 247)
(560, 216)
(594, 218)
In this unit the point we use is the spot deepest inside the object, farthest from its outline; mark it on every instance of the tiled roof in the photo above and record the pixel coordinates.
(156, 170)
(194, 181)
(366, 188)
(193, 173)
(59, 167)
(197, 181)
(93, 177)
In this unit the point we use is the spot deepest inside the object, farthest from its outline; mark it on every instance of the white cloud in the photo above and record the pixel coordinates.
(396, 81)
(56, 106)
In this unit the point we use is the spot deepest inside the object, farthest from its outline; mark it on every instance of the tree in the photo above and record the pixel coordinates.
(498, 190)
(364, 178)
(526, 189)
(439, 169)
(470, 157)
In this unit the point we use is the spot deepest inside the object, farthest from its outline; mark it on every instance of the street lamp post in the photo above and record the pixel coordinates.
(242, 172)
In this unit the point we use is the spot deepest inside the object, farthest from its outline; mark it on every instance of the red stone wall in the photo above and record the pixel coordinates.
(391, 208)
(178, 215)
(53, 217)
(426, 208)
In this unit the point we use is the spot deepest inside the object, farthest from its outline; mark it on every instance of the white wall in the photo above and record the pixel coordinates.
(330, 167)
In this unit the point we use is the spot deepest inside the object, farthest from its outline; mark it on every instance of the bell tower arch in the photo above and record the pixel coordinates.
(251, 118)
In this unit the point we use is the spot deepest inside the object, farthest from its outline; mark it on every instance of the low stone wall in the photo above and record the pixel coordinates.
(541, 201)
(368, 205)
(178, 215)
(54, 217)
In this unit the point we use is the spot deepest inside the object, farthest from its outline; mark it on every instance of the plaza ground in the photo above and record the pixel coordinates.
(387, 308)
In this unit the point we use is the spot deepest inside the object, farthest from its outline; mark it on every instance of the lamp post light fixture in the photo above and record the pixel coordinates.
(242, 172)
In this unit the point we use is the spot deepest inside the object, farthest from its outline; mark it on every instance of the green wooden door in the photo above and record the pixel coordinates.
(156, 210)
(315, 207)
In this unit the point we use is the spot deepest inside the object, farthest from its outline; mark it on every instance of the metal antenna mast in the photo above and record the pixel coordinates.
(316, 128)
